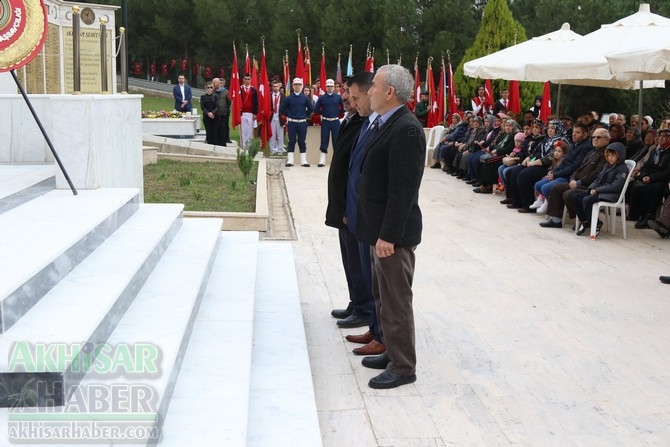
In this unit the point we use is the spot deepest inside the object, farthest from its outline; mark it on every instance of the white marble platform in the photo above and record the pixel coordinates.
(166, 307)
(282, 408)
(211, 399)
(88, 302)
(14, 178)
(45, 238)
(169, 127)
(98, 137)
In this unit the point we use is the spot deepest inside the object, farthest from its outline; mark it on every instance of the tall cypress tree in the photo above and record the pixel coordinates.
(497, 31)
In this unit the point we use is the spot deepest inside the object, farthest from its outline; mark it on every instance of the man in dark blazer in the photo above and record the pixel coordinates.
(342, 204)
(389, 219)
(182, 95)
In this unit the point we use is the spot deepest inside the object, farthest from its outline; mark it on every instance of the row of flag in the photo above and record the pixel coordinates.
(442, 101)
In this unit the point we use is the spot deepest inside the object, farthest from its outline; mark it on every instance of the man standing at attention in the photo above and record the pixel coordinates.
(389, 219)
(249, 97)
(182, 95)
(297, 107)
(223, 133)
(330, 107)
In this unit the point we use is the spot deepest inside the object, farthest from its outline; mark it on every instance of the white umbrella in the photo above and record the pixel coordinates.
(642, 63)
(510, 63)
(583, 62)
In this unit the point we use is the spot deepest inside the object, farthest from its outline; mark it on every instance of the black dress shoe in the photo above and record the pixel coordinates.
(659, 227)
(353, 321)
(477, 183)
(471, 181)
(512, 206)
(376, 361)
(340, 313)
(582, 228)
(389, 379)
(551, 224)
(483, 190)
(664, 279)
(436, 165)
(642, 224)
(305, 165)
(506, 202)
(526, 210)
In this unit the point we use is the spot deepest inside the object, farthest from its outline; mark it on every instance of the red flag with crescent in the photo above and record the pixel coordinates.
(23, 27)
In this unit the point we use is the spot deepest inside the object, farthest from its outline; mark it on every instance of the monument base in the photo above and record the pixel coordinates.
(97, 137)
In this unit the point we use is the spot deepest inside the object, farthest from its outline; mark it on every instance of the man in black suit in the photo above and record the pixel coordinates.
(389, 219)
(502, 105)
(341, 213)
(182, 95)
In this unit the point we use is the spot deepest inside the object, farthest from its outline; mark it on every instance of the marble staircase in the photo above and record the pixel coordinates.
(200, 332)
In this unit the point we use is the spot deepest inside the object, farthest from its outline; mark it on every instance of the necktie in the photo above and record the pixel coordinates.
(276, 102)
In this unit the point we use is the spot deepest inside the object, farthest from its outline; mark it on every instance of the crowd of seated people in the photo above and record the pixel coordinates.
(566, 165)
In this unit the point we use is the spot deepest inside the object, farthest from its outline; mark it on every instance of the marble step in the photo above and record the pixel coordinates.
(162, 317)
(18, 182)
(45, 238)
(87, 304)
(211, 400)
(159, 322)
(282, 407)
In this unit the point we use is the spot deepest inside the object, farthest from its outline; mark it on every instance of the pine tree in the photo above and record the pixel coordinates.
(498, 30)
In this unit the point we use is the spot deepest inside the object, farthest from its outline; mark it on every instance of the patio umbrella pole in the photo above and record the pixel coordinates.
(639, 107)
(558, 101)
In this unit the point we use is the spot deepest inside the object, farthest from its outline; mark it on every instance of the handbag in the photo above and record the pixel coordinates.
(510, 161)
(492, 159)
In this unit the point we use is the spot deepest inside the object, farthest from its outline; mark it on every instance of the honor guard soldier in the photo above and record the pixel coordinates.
(297, 107)
(331, 108)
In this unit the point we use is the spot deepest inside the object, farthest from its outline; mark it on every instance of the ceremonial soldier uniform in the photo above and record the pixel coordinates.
(297, 107)
(330, 107)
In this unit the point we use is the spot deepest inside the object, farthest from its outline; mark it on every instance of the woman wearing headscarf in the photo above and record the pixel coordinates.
(534, 168)
(633, 143)
(475, 133)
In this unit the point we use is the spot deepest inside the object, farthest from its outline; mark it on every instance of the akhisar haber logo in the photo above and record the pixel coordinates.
(23, 26)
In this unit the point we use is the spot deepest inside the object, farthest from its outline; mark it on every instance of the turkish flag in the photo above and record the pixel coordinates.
(236, 101)
(514, 97)
(545, 108)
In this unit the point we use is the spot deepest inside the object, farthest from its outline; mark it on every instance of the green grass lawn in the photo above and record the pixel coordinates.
(200, 186)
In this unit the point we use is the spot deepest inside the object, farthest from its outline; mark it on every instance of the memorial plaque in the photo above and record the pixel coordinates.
(52, 61)
(91, 80)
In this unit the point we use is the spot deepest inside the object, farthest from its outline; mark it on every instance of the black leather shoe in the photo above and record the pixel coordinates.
(526, 210)
(506, 202)
(376, 361)
(477, 183)
(353, 321)
(582, 228)
(470, 182)
(512, 206)
(288, 165)
(659, 227)
(664, 279)
(389, 379)
(305, 165)
(642, 224)
(436, 165)
(483, 190)
(340, 314)
(551, 224)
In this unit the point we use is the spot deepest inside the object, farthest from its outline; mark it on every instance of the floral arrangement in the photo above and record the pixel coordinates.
(162, 114)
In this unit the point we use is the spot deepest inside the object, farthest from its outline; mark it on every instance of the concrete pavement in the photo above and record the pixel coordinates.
(525, 336)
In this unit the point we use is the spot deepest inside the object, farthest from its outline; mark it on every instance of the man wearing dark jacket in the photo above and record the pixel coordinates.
(389, 219)
(586, 173)
(606, 187)
(355, 256)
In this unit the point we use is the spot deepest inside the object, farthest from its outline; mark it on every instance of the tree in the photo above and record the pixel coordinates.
(498, 30)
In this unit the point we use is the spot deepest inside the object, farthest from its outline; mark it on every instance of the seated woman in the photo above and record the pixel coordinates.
(605, 188)
(532, 142)
(484, 147)
(633, 142)
(543, 186)
(522, 178)
(618, 133)
(488, 175)
(650, 183)
(514, 158)
(475, 133)
(451, 135)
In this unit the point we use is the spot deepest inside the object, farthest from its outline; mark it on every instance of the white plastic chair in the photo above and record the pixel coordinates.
(432, 141)
(610, 208)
